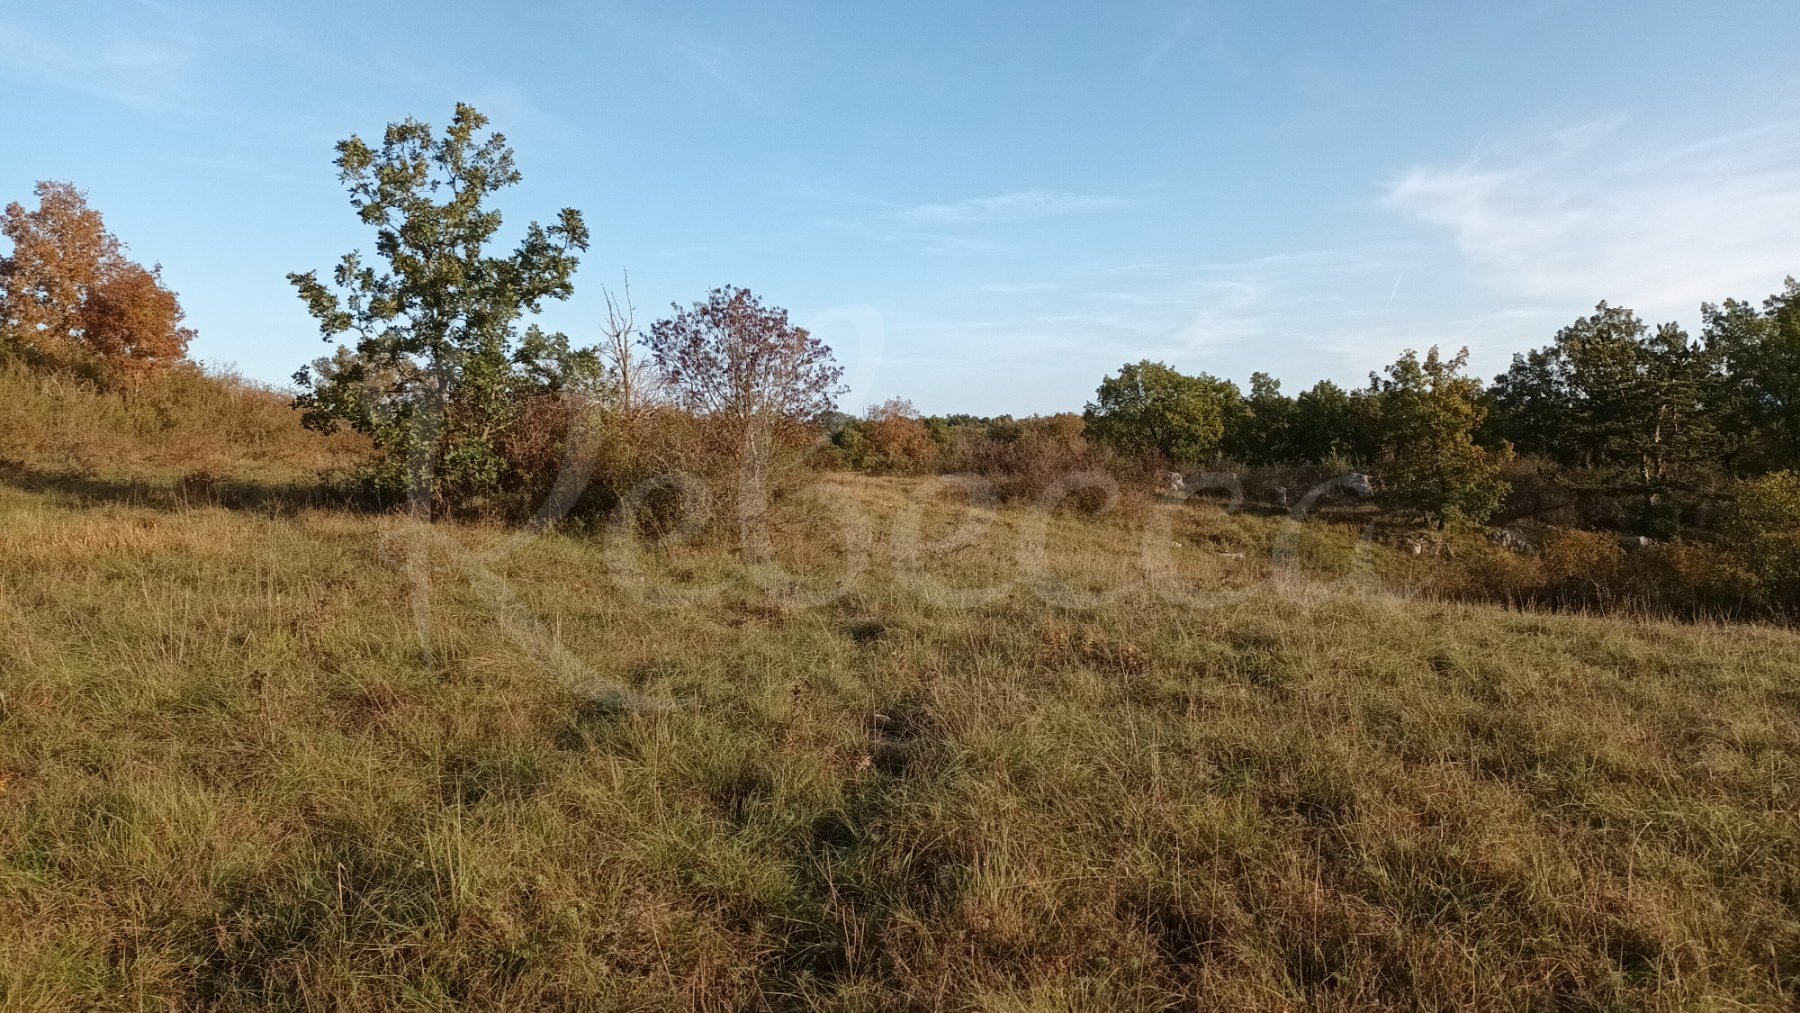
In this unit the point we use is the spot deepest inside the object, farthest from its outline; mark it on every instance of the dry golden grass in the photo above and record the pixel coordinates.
(962, 773)
(184, 427)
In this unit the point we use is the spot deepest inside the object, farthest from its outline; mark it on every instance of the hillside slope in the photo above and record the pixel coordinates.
(234, 775)
(183, 422)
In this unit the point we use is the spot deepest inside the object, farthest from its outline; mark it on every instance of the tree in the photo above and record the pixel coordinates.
(625, 372)
(753, 377)
(1150, 408)
(1262, 431)
(1758, 396)
(895, 439)
(1430, 413)
(1612, 394)
(1530, 404)
(1326, 425)
(440, 371)
(1634, 398)
(69, 297)
(1674, 433)
(731, 357)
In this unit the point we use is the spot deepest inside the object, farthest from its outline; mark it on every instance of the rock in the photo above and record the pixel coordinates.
(1231, 555)
(1423, 545)
(1358, 484)
(1509, 540)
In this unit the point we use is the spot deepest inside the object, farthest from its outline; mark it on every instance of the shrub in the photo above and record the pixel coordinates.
(1705, 579)
(1765, 506)
(578, 462)
(1033, 458)
(1485, 572)
(1763, 525)
(894, 440)
(1582, 569)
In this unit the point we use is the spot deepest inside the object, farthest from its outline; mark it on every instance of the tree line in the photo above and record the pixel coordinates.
(1650, 418)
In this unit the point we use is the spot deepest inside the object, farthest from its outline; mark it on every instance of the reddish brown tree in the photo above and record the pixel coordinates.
(70, 297)
(735, 358)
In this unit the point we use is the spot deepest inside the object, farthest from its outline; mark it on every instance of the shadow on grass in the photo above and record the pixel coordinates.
(189, 492)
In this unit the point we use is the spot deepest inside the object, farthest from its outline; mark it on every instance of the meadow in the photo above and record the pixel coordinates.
(263, 748)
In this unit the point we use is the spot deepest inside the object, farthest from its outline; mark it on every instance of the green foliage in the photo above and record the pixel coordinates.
(1326, 425)
(1613, 396)
(1528, 403)
(440, 371)
(1430, 413)
(1758, 401)
(1766, 505)
(1262, 429)
(851, 437)
(1763, 523)
(1150, 408)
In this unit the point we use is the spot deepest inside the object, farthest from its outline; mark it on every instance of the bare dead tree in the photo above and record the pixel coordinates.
(619, 350)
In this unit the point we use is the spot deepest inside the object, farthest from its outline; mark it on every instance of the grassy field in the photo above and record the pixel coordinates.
(939, 771)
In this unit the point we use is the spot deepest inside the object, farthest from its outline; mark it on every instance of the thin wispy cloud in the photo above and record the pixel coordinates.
(148, 71)
(1326, 300)
(830, 194)
(1013, 206)
(162, 60)
(523, 114)
(1597, 211)
(921, 240)
(1172, 39)
(1010, 288)
(832, 233)
(718, 66)
(1331, 305)
(705, 65)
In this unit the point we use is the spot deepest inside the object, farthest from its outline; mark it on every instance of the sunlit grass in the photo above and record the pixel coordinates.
(937, 779)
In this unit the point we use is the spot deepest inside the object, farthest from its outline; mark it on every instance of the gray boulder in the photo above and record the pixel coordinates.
(1509, 540)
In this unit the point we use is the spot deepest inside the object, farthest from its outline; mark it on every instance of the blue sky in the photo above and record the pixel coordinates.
(984, 210)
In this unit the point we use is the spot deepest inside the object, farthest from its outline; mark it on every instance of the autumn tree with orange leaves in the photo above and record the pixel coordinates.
(71, 299)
